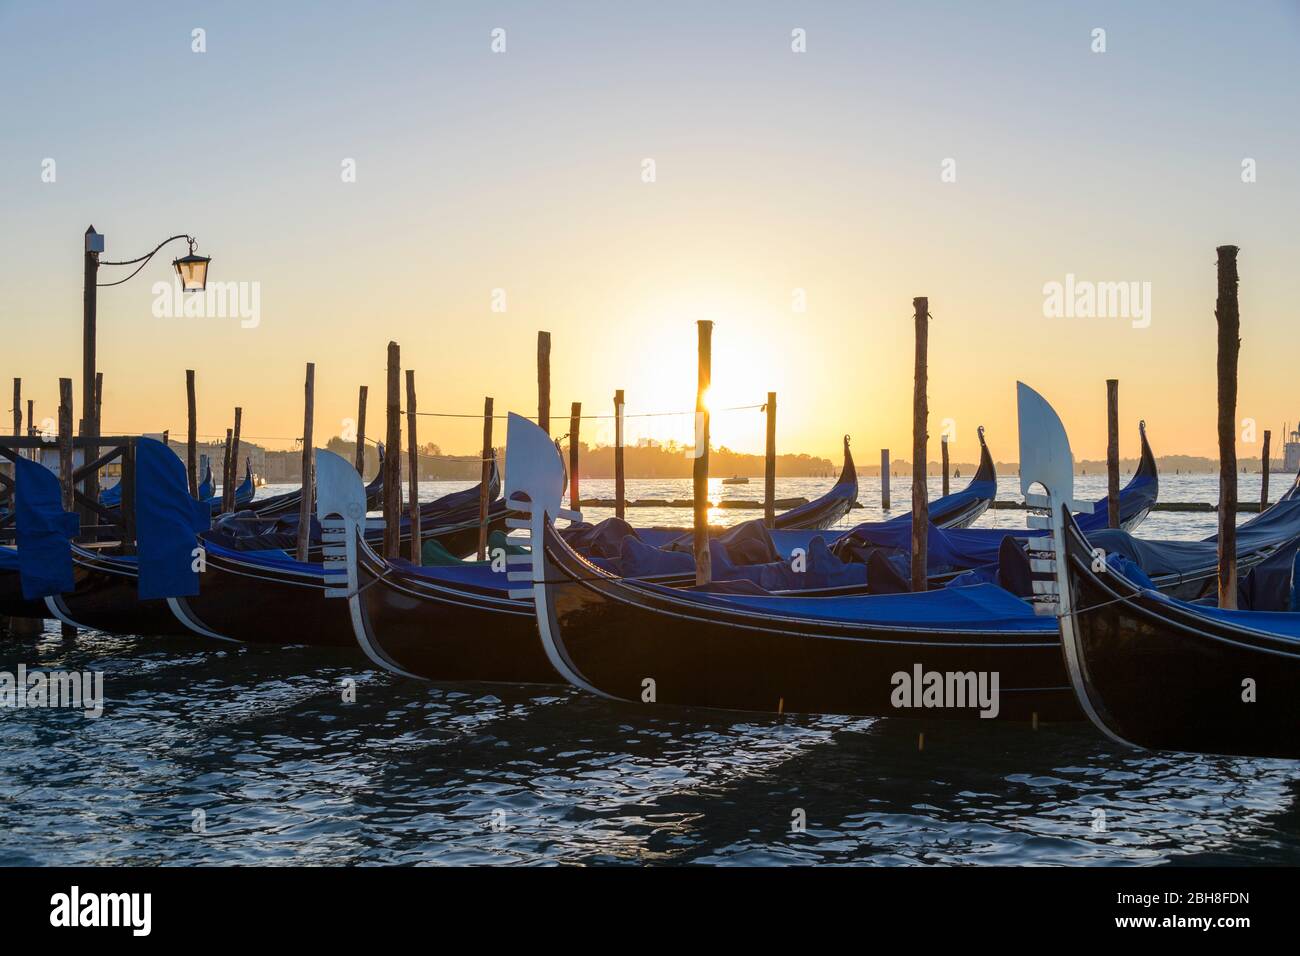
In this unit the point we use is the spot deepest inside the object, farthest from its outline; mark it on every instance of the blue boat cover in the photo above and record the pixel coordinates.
(1280, 623)
(45, 531)
(8, 558)
(983, 607)
(205, 486)
(819, 568)
(271, 557)
(167, 523)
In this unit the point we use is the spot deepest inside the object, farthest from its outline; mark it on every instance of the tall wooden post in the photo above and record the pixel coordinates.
(306, 507)
(575, 424)
(1229, 322)
(65, 463)
(361, 431)
(703, 564)
(920, 423)
(225, 462)
(483, 492)
(128, 497)
(393, 457)
(18, 407)
(65, 441)
(1263, 488)
(228, 493)
(89, 393)
(620, 500)
(943, 450)
(192, 434)
(769, 465)
(99, 402)
(544, 381)
(884, 479)
(1112, 453)
(413, 468)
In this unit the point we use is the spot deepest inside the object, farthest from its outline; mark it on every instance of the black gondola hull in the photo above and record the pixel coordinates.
(1163, 677)
(617, 637)
(443, 633)
(105, 598)
(251, 602)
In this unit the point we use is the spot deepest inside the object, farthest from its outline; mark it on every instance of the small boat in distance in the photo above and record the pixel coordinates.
(735, 480)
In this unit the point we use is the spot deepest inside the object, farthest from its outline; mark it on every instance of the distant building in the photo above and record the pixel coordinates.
(1291, 454)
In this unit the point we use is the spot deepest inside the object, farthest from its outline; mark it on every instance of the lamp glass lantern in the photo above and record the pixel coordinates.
(192, 270)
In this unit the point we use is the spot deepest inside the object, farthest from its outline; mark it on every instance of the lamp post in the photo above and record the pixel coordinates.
(193, 272)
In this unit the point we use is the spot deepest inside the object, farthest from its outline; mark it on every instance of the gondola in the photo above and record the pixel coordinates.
(796, 528)
(244, 493)
(829, 508)
(638, 641)
(961, 509)
(955, 550)
(1157, 673)
(452, 521)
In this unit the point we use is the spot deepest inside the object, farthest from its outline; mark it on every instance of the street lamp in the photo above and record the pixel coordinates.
(193, 272)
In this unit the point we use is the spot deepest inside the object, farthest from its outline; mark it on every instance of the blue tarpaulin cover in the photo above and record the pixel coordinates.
(45, 531)
(167, 522)
(983, 607)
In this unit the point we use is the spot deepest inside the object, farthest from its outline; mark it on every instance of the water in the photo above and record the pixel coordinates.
(259, 744)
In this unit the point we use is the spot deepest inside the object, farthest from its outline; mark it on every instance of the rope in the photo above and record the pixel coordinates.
(533, 418)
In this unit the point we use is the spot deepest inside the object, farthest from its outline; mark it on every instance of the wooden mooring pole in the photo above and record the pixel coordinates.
(65, 442)
(620, 496)
(306, 505)
(484, 493)
(225, 463)
(361, 431)
(1112, 453)
(575, 423)
(943, 453)
(703, 565)
(544, 381)
(18, 407)
(1229, 345)
(412, 468)
(65, 462)
(192, 434)
(228, 493)
(393, 457)
(1263, 488)
(920, 422)
(769, 465)
(884, 479)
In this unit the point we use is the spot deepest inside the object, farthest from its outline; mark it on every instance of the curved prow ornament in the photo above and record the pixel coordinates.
(1045, 457)
(535, 483)
(341, 511)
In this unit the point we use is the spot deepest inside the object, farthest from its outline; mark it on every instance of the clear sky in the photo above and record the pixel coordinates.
(775, 171)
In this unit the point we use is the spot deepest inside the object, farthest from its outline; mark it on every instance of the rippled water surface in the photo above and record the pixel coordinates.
(259, 745)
